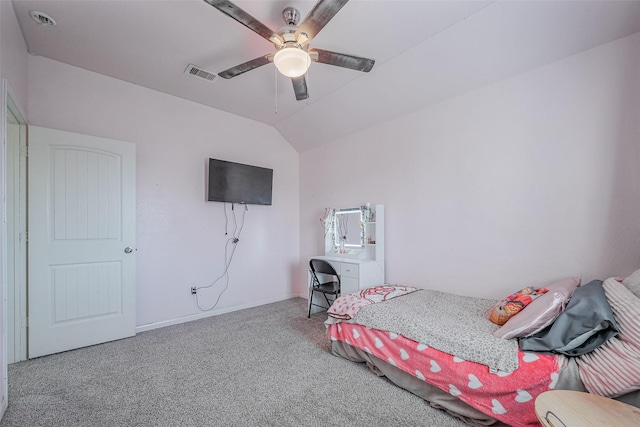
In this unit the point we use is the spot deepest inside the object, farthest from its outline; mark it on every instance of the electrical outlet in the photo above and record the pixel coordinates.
(193, 290)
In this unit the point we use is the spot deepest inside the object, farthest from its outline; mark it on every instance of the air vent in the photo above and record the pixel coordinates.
(42, 18)
(200, 73)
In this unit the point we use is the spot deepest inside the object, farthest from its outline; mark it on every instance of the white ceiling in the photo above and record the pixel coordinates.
(425, 52)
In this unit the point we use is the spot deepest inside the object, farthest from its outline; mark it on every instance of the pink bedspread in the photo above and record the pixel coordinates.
(508, 397)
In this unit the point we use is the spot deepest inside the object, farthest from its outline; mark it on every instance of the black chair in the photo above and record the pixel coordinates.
(332, 287)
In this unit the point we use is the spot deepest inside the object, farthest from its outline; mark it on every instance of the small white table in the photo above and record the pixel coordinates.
(566, 408)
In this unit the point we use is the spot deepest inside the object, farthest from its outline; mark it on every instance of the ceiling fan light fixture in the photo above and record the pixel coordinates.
(292, 61)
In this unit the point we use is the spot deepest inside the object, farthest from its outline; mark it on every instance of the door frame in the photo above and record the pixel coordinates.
(17, 285)
(8, 104)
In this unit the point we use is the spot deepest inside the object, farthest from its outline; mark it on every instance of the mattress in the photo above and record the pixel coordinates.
(468, 390)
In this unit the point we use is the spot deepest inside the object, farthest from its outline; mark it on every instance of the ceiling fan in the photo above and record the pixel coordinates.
(293, 56)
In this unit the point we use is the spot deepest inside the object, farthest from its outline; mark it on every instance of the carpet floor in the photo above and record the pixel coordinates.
(263, 366)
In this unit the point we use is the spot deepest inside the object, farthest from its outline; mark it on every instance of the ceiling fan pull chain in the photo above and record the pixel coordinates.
(275, 73)
(308, 80)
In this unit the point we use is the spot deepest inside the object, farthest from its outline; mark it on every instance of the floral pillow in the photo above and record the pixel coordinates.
(513, 304)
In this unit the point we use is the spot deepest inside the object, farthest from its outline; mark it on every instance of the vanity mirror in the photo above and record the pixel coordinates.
(354, 232)
(348, 231)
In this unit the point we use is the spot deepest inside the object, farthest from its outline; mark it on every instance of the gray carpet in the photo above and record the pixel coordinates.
(264, 366)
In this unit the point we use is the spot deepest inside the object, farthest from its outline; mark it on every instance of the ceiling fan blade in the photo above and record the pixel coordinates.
(342, 60)
(319, 16)
(247, 66)
(300, 87)
(234, 12)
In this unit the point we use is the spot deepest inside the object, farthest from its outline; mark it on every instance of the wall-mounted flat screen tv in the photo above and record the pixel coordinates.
(239, 183)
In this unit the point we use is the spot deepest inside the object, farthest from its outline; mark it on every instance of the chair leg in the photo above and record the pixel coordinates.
(328, 302)
(310, 294)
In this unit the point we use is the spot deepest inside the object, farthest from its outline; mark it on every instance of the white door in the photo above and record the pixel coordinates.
(81, 240)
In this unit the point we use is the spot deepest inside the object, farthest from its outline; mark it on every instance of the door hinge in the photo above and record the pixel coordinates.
(24, 151)
(25, 322)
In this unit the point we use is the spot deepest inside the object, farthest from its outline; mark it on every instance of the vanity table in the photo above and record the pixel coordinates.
(354, 246)
(355, 274)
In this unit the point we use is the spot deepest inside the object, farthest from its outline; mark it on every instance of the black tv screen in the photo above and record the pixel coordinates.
(239, 183)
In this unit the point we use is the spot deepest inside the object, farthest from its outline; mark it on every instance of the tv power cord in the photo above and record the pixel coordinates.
(228, 257)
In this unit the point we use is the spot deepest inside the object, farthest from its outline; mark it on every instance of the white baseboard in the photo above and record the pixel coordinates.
(190, 318)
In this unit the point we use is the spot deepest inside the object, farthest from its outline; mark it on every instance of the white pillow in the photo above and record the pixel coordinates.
(633, 283)
(541, 312)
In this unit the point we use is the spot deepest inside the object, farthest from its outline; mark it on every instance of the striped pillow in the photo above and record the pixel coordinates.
(613, 369)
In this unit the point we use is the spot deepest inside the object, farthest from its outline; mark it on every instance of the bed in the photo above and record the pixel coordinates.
(443, 348)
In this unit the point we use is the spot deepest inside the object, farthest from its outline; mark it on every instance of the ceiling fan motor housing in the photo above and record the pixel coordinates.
(289, 36)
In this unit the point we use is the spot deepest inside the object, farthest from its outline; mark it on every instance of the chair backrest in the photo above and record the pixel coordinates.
(323, 267)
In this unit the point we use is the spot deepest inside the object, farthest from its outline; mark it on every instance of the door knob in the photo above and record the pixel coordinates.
(128, 250)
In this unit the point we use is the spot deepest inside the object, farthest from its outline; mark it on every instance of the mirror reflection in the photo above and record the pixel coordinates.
(348, 228)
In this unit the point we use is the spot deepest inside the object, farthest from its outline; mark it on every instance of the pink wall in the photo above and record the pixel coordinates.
(519, 183)
(180, 237)
(13, 54)
(523, 182)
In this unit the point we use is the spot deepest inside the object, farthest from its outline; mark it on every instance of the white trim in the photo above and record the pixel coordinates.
(7, 103)
(4, 392)
(14, 107)
(15, 199)
(203, 315)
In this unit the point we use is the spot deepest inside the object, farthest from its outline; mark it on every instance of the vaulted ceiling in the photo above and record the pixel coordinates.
(425, 52)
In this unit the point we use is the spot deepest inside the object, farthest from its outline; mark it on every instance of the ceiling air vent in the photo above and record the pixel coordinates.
(42, 18)
(200, 73)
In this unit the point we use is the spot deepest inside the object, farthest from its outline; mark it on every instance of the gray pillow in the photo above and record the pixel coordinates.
(586, 323)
